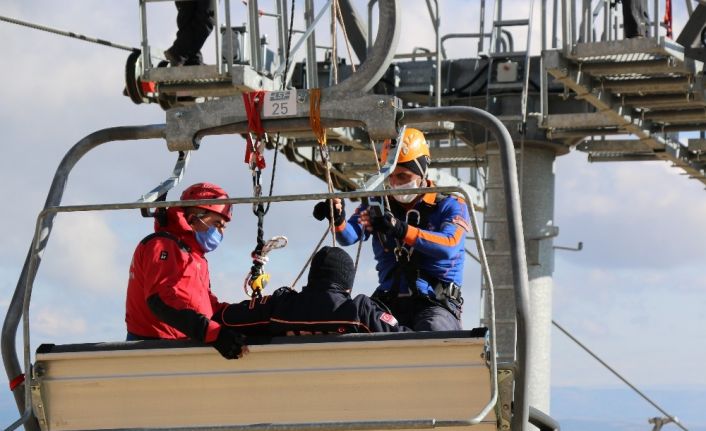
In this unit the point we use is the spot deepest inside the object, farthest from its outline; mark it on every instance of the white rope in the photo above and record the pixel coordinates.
(308, 261)
(345, 36)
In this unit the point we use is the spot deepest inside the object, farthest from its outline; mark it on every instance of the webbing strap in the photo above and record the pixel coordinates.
(253, 102)
(14, 383)
(315, 115)
(320, 133)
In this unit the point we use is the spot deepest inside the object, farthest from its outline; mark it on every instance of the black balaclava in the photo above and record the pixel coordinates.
(331, 268)
(418, 166)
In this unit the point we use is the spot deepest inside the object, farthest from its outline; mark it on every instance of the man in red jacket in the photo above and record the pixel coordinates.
(169, 291)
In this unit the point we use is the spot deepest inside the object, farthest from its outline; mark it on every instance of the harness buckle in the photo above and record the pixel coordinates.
(402, 254)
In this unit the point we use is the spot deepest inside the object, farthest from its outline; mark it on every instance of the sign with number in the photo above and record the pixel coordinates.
(280, 104)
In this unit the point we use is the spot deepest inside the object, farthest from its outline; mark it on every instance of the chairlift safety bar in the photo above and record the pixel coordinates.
(19, 305)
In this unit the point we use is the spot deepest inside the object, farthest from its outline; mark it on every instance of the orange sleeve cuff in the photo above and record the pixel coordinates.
(411, 236)
(340, 227)
(211, 332)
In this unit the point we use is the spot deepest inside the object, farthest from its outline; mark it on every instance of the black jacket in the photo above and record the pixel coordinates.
(315, 310)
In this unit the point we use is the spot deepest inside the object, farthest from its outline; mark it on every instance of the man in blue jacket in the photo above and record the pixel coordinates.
(418, 243)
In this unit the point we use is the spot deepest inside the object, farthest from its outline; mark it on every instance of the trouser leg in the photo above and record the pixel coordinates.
(195, 21)
(402, 308)
(635, 18)
(422, 314)
(433, 317)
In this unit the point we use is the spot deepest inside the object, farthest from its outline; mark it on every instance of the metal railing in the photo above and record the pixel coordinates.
(19, 305)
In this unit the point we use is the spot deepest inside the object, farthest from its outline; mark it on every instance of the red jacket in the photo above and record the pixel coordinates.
(169, 291)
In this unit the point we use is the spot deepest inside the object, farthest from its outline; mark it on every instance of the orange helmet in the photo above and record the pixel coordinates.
(414, 153)
(208, 191)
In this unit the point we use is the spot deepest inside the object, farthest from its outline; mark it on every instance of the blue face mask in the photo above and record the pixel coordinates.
(209, 239)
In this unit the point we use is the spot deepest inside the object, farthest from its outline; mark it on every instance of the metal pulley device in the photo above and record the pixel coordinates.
(257, 279)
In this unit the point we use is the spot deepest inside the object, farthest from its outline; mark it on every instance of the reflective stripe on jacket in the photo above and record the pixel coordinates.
(437, 245)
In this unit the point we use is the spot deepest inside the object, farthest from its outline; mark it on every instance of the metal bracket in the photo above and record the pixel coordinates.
(377, 113)
(578, 247)
(504, 405)
(36, 393)
(532, 244)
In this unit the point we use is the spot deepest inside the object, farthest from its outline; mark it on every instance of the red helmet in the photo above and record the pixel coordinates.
(208, 191)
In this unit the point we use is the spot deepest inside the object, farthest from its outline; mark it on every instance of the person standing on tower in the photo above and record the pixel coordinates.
(635, 19)
(195, 21)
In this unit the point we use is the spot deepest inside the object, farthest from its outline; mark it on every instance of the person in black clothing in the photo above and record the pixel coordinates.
(195, 21)
(324, 306)
(635, 18)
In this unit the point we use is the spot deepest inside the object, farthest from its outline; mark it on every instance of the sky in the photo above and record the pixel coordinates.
(634, 294)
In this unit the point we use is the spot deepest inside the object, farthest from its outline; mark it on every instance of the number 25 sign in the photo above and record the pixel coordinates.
(280, 104)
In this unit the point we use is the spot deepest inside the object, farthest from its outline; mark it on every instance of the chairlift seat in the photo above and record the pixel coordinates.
(319, 378)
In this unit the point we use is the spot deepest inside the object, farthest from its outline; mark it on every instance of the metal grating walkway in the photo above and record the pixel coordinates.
(641, 87)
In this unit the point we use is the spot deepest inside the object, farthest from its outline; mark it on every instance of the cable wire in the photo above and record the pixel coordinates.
(67, 34)
(645, 397)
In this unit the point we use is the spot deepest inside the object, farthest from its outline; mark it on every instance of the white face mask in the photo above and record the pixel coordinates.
(405, 199)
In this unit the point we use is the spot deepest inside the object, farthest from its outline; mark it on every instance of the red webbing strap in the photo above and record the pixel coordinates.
(667, 20)
(253, 102)
(14, 383)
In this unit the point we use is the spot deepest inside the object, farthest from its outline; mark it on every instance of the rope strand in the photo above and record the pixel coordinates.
(308, 261)
(345, 37)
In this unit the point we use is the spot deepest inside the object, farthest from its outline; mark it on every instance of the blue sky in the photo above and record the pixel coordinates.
(634, 294)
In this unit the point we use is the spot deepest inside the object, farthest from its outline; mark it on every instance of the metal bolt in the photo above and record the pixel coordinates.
(300, 98)
(381, 103)
(39, 370)
(178, 114)
(506, 407)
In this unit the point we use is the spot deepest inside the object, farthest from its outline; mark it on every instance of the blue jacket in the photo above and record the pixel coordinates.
(436, 243)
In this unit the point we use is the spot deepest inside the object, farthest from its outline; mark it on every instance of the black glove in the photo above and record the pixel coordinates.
(389, 225)
(322, 210)
(229, 343)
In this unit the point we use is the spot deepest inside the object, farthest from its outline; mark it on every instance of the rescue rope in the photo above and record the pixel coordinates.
(308, 261)
(334, 51)
(255, 138)
(257, 279)
(320, 133)
(68, 34)
(345, 35)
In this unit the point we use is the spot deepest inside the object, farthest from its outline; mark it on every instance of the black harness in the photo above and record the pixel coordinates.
(162, 234)
(446, 294)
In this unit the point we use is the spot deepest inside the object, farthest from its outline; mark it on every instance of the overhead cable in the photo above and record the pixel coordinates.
(654, 404)
(67, 34)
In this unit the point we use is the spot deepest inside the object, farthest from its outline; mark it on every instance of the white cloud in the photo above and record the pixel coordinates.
(82, 253)
(53, 323)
